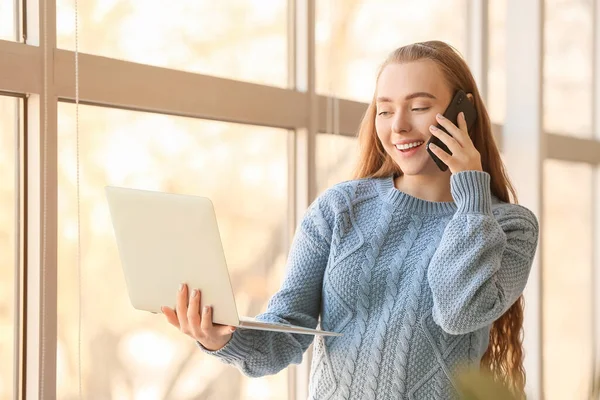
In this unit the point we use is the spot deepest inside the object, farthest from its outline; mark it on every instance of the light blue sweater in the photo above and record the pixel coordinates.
(413, 285)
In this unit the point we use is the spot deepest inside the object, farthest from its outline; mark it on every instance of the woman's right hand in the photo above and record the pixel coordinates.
(187, 318)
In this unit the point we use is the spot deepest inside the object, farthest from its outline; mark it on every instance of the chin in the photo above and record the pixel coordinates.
(419, 166)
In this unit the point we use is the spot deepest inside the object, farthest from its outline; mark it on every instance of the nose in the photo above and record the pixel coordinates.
(400, 123)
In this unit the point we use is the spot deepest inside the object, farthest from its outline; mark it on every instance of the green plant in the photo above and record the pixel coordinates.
(476, 384)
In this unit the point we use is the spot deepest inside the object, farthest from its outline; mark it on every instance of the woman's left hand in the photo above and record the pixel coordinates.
(465, 156)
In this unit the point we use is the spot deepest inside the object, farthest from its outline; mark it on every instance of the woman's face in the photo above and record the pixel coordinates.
(409, 95)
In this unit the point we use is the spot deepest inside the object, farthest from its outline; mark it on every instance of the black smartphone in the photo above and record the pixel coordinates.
(460, 103)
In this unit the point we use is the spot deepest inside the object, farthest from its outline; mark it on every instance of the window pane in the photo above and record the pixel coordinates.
(568, 67)
(337, 156)
(353, 37)
(7, 20)
(8, 128)
(133, 354)
(567, 279)
(496, 101)
(239, 39)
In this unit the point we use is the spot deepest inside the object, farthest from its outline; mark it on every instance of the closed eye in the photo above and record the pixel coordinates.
(421, 109)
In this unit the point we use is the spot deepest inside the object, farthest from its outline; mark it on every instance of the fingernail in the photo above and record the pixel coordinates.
(461, 115)
(180, 287)
(433, 127)
(440, 116)
(206, 309)
(432, 146)
(194, 293)
(232, 329)
(162, 310)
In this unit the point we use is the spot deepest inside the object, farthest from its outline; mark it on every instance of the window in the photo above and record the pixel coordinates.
(567, 278)
(336, 156)
(353, 37)
(496, 101)
(7, 20)
(8, 220)
(244, 40)
(568, 67)
(132, 354)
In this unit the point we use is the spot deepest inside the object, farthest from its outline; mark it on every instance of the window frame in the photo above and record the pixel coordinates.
(36, 70)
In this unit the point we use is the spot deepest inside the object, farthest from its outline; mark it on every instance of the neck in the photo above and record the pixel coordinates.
(434, 187)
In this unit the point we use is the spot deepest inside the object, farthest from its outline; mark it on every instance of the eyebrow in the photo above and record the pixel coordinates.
(409, 97)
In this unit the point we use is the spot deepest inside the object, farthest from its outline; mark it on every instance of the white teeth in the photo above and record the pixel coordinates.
(408, 145)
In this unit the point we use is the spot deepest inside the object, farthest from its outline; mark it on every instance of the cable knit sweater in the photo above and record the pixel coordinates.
(412, 285)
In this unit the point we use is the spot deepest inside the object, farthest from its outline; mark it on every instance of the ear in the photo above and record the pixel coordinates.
(470, 97)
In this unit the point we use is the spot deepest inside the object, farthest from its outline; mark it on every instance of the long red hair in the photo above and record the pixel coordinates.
(504, 355)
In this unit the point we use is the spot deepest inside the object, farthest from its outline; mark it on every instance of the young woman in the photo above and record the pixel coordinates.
(421, 270)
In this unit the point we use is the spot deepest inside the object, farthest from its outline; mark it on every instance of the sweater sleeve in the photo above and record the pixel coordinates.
(258, 353)
(483, 262)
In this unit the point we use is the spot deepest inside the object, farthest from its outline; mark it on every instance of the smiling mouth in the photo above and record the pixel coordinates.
(409, 146)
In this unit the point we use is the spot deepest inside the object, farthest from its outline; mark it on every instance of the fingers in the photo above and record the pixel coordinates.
(448, 140)
(207, 322)
(182, 308)
(193, 319)
(462, 123)
(458, 133)
(209, 328)
(441, 154)
(465, 157)
(193, 314)
(171, 316)
(223, 330)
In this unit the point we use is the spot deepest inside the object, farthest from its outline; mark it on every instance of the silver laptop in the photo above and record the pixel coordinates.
(166, 239)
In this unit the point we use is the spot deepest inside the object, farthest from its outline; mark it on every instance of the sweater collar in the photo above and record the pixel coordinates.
(404, 201)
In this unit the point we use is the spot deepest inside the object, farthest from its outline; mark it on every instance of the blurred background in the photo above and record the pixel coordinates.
(300, 74)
